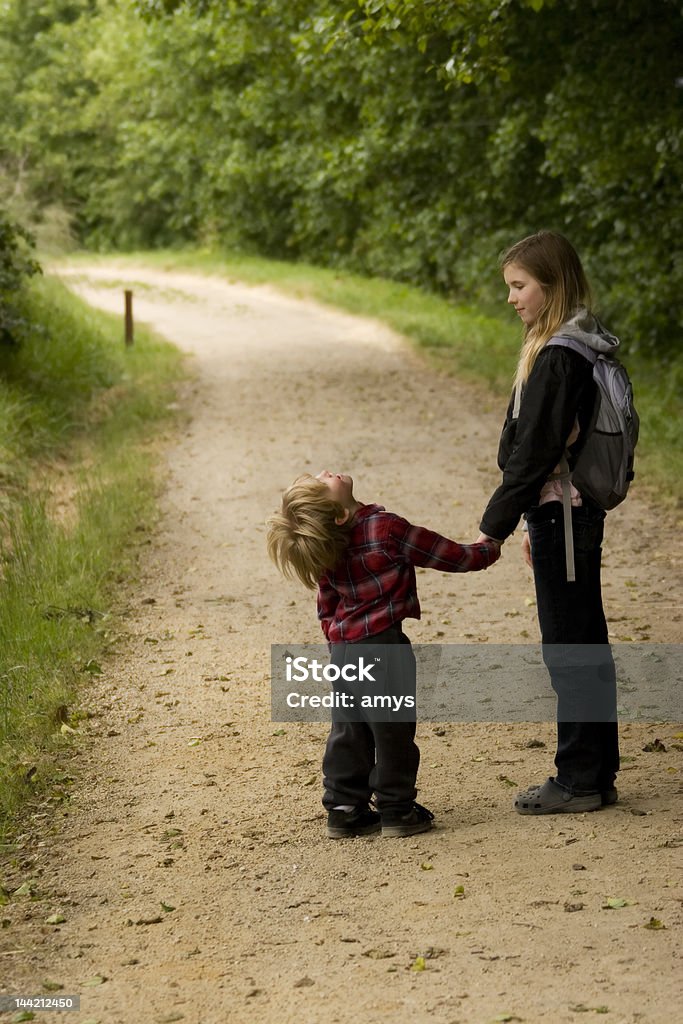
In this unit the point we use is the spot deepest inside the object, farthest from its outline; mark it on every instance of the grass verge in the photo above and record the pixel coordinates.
(77, 411)
(475, 344)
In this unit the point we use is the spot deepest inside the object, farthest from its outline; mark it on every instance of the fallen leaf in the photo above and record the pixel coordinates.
(459, 891)
(426, 866)
(27, 888)
(655, 747)
(98, 979)
(655, 925)
(419, 964)
(304, 982)
(379, 954)
(434, 952)
(615, 903)
(55, 919)
(167, 907)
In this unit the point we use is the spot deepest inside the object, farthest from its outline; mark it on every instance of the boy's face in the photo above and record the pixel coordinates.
(339, 486)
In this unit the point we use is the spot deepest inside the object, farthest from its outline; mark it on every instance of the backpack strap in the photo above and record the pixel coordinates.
(564, 476)
(566, 341)
(517, 402)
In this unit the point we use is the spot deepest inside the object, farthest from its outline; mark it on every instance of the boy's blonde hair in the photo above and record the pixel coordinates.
(553, 261)
(304, 540)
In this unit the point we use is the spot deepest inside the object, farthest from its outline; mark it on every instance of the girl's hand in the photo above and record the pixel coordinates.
(484, 539)
(526, 550)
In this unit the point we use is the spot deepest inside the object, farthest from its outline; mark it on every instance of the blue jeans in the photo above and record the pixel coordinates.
(576, 649)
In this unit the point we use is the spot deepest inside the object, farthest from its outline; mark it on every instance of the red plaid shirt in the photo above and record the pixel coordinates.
(374, 585)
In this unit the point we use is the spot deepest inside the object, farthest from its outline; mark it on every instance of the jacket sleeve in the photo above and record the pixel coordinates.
(423, 547)
(557, 386)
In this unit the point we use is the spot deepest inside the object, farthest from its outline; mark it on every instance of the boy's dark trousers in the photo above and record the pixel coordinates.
(371, 756)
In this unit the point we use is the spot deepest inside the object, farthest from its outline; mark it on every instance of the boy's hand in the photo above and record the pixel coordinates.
(526, 550)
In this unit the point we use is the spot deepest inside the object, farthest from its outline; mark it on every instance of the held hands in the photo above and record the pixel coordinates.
(526, 545)
(484, 539)
(492, 542)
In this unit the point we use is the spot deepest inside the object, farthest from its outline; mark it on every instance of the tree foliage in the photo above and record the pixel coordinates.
(405, 138)
(16, 266)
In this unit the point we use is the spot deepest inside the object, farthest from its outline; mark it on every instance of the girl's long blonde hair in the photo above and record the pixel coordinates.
(304, 539)
(553, 261)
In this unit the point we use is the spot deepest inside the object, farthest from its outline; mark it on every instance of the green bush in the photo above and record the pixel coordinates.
(393, 137)
(16, 266)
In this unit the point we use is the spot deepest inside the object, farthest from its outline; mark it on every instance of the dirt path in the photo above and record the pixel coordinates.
(187, 795)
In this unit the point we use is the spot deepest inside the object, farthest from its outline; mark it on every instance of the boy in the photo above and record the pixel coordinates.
(362, 560)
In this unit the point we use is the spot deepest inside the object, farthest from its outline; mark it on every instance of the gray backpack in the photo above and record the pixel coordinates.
(604, 467)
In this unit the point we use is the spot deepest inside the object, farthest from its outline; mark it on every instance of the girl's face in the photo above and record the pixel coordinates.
(525, 293)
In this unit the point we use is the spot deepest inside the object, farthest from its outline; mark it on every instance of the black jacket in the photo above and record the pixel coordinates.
(560, 388)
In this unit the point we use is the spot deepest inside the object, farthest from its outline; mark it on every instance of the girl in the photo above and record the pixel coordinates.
(549, 291)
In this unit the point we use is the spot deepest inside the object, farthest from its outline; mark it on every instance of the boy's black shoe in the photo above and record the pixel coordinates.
(407, 823)
(361, 821)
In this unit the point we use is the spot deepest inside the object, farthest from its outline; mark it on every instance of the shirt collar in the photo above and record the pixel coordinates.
(364, 511)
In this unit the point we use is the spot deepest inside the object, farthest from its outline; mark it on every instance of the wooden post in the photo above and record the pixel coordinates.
(129, 316)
